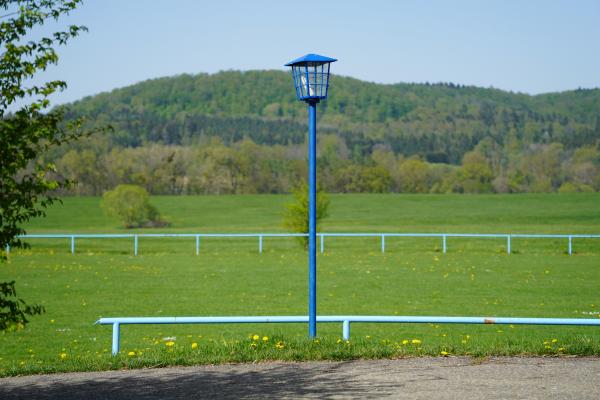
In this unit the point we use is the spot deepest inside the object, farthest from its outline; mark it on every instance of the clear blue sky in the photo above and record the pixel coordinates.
(527, 46)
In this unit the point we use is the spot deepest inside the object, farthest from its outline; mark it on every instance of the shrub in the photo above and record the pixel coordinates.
(131, 205)
(296, 214)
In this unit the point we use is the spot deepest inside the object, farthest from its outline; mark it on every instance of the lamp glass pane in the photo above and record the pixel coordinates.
(312, 79)
(326, 76)
(322, 81)
(295, 76)
(303, 85)
(305, 81)
(298, 72)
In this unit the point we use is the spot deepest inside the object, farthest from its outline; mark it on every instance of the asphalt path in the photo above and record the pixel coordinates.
(413, 378)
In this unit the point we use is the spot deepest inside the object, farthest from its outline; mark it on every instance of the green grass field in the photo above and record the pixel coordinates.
(475, 278)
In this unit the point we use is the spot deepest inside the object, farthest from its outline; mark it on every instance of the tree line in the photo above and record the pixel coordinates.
(244, 132)
(245, 167)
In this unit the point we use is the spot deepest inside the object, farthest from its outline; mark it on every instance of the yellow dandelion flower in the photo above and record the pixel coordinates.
(405, 342)
(339, 341)
(561, 349)
(170, 343)
(415, 341)
(279, 345)
(63, 356)
(554, 340)
(194, 346)
(265, 338)
(253, 345)
(255, 337)
(444, 353)
(316, 341)
(131, 354)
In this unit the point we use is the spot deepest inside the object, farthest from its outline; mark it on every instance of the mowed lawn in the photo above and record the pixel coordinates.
(229, 277)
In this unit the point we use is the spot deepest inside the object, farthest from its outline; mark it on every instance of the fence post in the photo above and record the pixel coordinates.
(260, 244)
(383, 243)
(197, 244)
(346, 329)
(135, 245)
(570, 245)
(115, 339)
(322, 243)
(444, 243)
(72, 244)
(508, 244)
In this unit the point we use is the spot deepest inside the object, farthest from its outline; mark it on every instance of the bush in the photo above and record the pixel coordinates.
(296, 214)
(131, 205)
(567, 187)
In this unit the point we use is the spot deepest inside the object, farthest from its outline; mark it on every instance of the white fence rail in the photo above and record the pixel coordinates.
(72, 237)
(344, 319)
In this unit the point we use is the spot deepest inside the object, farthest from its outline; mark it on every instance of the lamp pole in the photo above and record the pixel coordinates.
(312, 218)
(311, 81)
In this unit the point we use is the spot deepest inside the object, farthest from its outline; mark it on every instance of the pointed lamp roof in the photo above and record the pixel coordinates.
(313, 58)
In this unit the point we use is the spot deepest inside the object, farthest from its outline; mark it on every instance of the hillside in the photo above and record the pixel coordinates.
(512, 142)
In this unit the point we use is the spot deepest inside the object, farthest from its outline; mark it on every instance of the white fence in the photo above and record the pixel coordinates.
(509, 238)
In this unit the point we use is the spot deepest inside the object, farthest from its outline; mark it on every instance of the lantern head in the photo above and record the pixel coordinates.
(311, 76)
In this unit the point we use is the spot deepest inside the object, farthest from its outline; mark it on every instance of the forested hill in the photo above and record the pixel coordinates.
(444, 119)
(365, 128)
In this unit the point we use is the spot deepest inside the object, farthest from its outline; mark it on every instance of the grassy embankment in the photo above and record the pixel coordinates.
(475, 278)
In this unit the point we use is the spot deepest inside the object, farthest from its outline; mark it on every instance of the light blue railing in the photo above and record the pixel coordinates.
(345, 320)
(260, 236)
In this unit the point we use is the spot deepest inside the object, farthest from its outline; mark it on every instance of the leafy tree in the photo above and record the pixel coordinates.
(131, 205)
(475, 175)
(414, 176)
(14, 311)
(296, 214)
(29, 131)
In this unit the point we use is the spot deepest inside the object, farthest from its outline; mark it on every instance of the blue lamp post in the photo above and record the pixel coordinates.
(311, 80)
